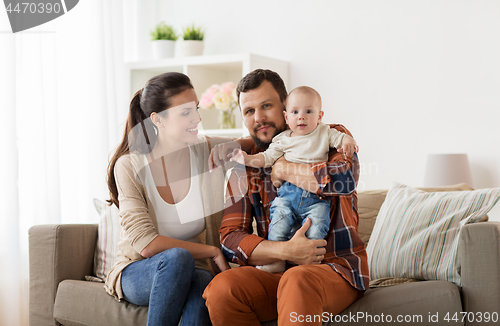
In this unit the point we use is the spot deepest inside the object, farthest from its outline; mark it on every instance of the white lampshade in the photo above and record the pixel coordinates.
(447, 169)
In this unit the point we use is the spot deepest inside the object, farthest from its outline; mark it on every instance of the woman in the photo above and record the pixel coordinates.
(166, 202)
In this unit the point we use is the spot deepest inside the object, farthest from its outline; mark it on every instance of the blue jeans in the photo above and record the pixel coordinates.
(172, 287)
(290, 210)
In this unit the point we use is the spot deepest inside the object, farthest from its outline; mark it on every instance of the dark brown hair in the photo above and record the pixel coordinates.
(154, 97)
(254, 79)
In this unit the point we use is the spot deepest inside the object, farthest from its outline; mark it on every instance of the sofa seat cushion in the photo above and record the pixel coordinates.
(87, 303)
(425, 299)
(80, 303)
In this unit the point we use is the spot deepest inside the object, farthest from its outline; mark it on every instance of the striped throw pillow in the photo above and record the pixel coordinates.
(108, 235)
(416, 233)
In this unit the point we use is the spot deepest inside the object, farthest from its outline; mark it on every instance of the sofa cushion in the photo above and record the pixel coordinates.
(417, 301)
(370, 201)
(416, 232)
(108, 236)
(410, 300)
(76, 303)
(82, 303)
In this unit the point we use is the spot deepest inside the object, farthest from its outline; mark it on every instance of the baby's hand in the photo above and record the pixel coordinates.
(349, 146)
(238, 156)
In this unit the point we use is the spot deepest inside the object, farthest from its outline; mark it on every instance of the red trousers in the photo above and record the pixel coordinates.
(248, 296)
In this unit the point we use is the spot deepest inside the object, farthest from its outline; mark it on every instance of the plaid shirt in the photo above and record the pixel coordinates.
(249, 196)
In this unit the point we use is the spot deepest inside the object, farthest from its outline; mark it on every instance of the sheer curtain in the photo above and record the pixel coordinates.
(63, 103)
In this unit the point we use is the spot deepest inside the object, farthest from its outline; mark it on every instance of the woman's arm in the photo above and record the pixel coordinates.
(162, 243)
(198, 250)
(255, 161)
(138, 225)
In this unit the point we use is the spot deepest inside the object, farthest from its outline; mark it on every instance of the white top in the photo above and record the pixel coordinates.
(185, 220)
(310, 148)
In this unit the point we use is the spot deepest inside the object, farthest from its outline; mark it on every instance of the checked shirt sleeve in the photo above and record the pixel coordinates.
(237, 240)
(340, 174)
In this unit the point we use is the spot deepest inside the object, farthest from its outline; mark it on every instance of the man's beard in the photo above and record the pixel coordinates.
(264, 145)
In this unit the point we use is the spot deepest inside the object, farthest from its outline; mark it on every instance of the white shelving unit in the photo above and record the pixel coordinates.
(205, 71)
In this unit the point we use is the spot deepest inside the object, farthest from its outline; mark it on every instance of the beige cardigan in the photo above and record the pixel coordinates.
(137, 216)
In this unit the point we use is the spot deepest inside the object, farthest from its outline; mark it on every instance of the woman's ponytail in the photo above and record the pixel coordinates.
(141, 130)
(136, 120)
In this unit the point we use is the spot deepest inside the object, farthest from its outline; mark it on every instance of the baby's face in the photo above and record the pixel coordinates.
(303, 112)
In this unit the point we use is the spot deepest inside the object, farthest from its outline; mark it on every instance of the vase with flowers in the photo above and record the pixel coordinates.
(223, 98)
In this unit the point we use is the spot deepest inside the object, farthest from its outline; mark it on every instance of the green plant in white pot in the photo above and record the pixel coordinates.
(193, 41)
(163, 39)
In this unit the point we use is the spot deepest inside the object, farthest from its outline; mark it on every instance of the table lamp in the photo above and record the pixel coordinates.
(447, 169)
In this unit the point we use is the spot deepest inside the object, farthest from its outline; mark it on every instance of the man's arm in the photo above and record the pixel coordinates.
(337, 176)
(299, 174)
(241, 246)
(237, 240)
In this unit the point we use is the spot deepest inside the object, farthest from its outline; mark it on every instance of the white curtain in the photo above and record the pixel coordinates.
(63, 104)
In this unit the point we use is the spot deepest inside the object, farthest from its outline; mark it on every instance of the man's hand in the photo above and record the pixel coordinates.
(304, 251)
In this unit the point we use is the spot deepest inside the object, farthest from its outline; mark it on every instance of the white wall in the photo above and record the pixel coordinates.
(408, 78)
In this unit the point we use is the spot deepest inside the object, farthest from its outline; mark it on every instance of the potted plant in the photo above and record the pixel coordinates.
(193, 41)
(163, 39)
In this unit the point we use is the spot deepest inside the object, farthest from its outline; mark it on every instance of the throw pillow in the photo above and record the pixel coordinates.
(370, 201)
(108, 235)
(416, 232)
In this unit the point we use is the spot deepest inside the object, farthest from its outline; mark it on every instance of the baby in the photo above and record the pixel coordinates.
(307, 141)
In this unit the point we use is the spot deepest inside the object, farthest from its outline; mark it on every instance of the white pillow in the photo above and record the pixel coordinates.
(416, 233)
(108, 235)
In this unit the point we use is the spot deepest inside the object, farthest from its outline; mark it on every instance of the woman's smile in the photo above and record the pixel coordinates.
(193, 131)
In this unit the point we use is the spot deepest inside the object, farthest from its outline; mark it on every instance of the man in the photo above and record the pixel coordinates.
(330, 274)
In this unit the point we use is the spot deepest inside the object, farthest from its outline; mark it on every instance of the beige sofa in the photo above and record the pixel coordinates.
(62, 255)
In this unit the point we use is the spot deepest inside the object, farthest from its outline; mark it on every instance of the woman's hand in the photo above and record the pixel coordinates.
(219, 263)
(219, 154)
(238, 156)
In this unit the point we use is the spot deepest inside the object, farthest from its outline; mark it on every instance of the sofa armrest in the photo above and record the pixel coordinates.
(56, 253)
(479, 254)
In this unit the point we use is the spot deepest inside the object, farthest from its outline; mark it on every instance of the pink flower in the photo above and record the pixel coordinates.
(228, 87)
(206, 100)
(221, 97)
(213, 89)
